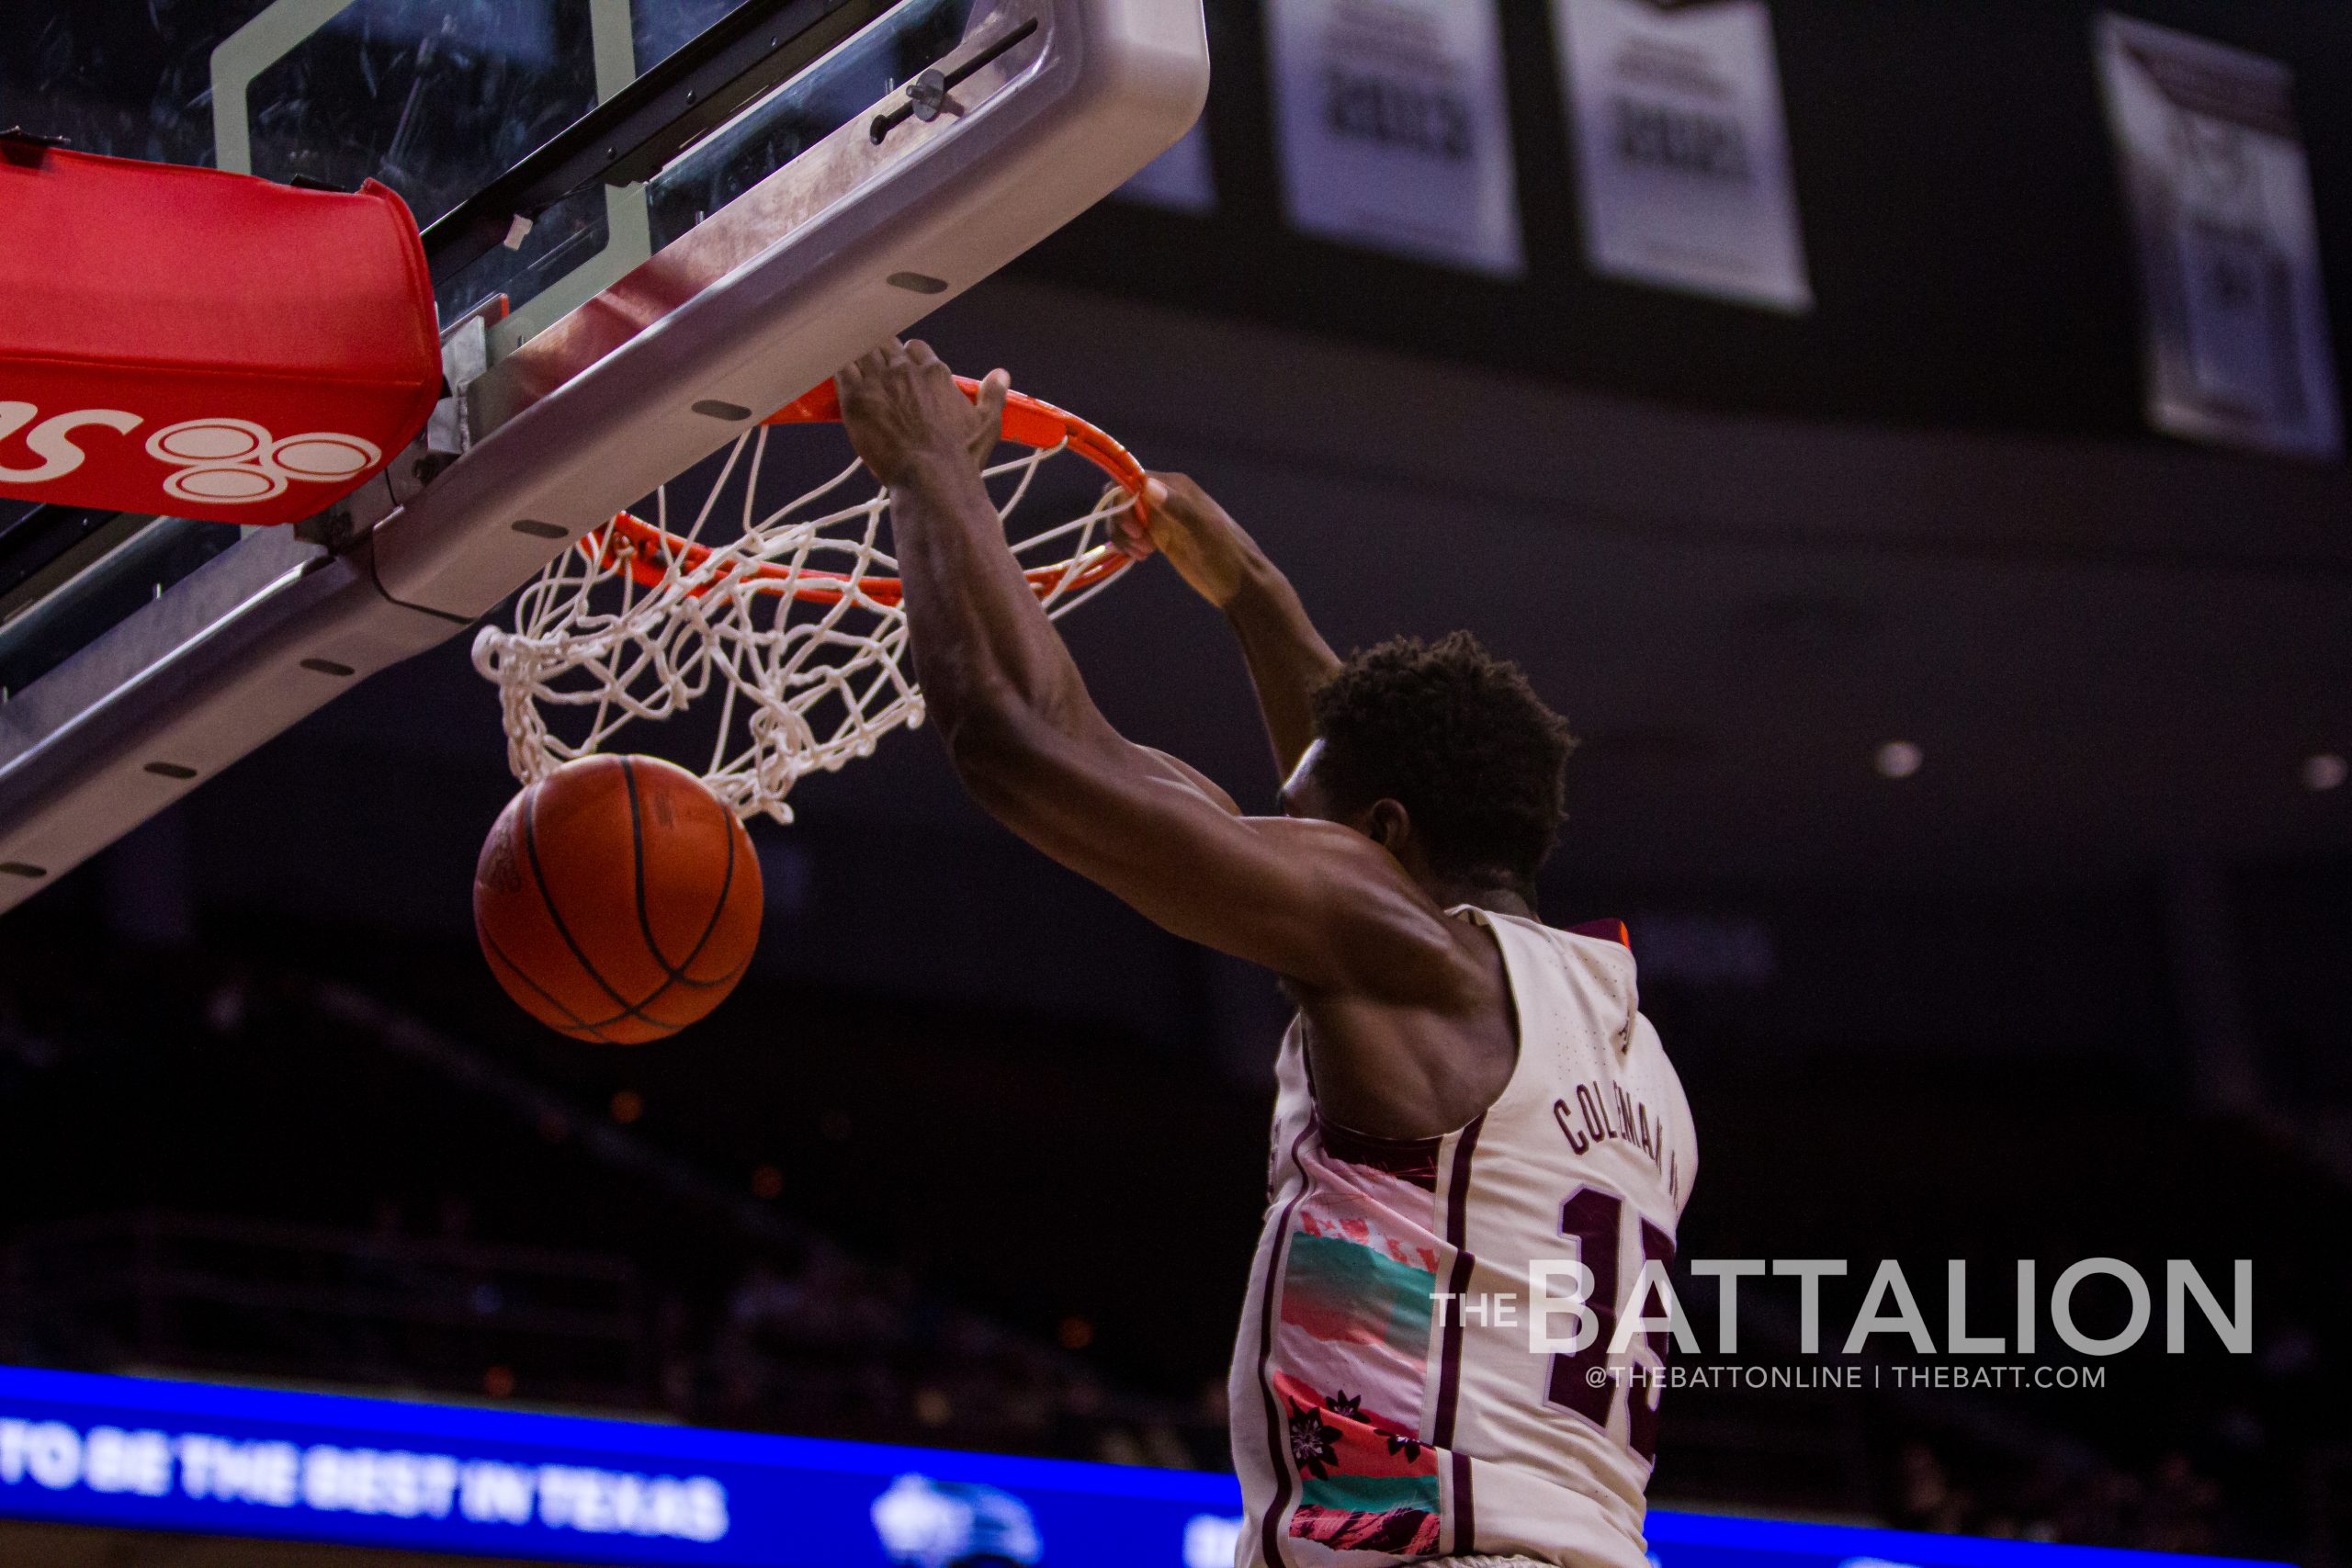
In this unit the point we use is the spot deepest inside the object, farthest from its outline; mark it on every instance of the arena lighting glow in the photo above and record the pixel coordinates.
(136, 1453)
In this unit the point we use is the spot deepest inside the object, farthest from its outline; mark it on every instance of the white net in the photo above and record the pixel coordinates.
(792, 626)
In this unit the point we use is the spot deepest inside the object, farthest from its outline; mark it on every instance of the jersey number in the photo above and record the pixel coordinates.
(1591, 1217)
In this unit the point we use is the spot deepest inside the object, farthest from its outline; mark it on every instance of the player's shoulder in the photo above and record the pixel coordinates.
(1393, 942)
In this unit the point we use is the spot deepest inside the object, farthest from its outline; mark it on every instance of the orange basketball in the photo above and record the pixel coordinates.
(617, 899)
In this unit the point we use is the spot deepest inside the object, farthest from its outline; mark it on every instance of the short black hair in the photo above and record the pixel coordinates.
(1459, 740)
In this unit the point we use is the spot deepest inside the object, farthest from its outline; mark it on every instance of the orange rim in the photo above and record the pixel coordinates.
(1032, 422)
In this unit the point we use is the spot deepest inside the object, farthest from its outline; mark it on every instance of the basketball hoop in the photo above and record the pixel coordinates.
(798, 619)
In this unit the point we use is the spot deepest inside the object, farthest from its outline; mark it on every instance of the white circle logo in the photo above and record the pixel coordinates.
(229, 462)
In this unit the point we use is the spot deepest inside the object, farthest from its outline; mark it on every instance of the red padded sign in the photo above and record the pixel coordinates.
(200, 345)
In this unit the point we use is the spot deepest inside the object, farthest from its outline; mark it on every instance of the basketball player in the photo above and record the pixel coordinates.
(1466, 1092)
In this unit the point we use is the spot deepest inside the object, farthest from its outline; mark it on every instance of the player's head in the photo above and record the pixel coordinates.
(1442, 749)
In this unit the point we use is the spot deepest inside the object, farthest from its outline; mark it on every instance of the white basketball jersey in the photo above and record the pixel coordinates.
(1386, 1405)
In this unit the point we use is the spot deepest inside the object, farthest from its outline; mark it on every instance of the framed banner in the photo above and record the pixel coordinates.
(1681, 149)
(1395, 127)
(2233, 312)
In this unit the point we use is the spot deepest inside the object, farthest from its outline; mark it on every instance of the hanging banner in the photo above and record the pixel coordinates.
(1180, 178)
(2235, 318)
(1395, 128)
(1682, 155)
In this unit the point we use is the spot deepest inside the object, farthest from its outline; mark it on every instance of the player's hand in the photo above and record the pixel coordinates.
(1199, 537)
(906, 416)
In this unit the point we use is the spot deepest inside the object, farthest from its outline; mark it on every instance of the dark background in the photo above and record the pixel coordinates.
(976, 1157)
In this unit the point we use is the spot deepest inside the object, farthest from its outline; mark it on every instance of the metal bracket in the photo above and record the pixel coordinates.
(465, 354)
(927, 95)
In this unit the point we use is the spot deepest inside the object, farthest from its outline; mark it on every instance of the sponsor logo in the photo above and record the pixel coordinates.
(216, 462)
(227, 461)
(52, 439)
(924, 1523)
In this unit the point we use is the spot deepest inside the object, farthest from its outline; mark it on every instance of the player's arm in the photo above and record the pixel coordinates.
(1287, 657)
(1312, 900)
(1184, 773)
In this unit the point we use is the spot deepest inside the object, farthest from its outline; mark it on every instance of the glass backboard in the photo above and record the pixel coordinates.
(648, 222)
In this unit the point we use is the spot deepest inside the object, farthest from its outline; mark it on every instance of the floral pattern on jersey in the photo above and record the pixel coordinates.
(1360, 1489)
(1312, 1441)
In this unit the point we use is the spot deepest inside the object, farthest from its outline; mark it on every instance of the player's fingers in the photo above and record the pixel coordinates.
(1122, 530)
(918, 352)
(988, 403)
(994, 388)
(872, 370)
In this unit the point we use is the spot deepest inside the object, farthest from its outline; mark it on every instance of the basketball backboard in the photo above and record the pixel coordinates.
(650, 221)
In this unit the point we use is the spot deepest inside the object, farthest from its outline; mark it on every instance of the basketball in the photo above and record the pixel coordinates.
(617, 899)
